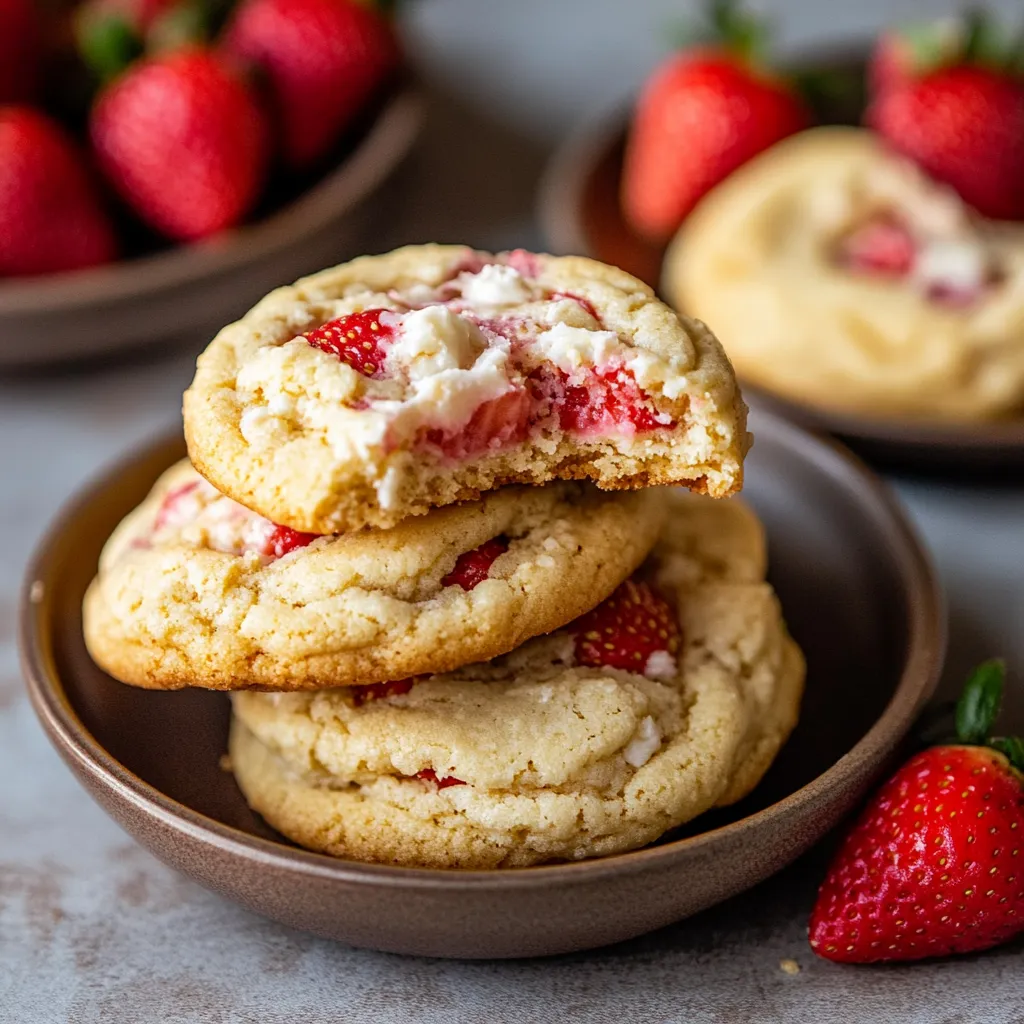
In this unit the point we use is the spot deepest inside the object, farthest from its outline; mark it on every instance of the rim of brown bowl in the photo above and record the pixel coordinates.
(561, 204)
(385, 140)
(926, 631)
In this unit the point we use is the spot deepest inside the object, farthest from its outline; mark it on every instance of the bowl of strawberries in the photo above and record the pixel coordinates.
(850, 223)
(163, 163)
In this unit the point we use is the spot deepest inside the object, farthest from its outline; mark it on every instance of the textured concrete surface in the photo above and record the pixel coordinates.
(92, 928)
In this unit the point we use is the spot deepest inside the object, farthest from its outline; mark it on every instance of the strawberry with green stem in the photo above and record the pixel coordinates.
(935, 864)
(960, 116)
(183, 141)
(707, 110)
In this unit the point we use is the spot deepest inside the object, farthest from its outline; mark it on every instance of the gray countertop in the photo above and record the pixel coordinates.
(92, 928)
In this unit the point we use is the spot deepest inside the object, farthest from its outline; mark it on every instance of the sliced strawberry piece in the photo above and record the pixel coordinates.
(442, 782)
(378, 691)
(607, 401)
(626, 629)
(284, 539)
(494, 425)
(472, 567)
(880, 246)
(358, 339)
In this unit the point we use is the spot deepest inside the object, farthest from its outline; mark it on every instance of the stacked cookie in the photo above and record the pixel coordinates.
(424, 537)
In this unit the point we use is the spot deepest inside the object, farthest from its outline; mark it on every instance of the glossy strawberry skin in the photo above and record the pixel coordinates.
(935, 864)
(321, 61)
(702, 115)
(473, 567)
(626, 629)
(358, 339)
(50, 213)
(964, 125)
(183, 141)
(20, 44)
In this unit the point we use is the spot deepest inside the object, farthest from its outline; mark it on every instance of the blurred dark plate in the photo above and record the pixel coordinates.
(193, 290)
(859, 596)
(580, 213)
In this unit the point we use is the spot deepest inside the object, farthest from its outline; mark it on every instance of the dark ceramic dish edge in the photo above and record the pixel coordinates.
(86, 757)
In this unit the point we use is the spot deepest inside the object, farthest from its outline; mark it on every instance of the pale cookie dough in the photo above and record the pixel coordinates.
(191, 591)
(758, 258)
(556, 761)
(515, 368)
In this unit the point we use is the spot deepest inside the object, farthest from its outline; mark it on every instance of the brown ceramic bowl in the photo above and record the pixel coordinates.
(191, 291)
(580, 212)
(859, 595)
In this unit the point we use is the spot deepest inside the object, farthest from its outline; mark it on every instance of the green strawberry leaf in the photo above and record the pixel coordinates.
(935, 44)
(985, 40)
(741, 30)
(835, 93)
(1012, 747)
(182, 24)
(107, 45)
(978, 706)
(726, 24)
(1015, 61)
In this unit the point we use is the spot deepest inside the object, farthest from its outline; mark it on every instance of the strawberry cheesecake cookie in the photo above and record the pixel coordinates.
(195, 590)
(671, 697)
(398, 383)
(838, 274)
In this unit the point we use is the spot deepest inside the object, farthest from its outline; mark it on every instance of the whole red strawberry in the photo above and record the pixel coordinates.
(183, 141)
(20, 44)
(703, 114)
(320, 59)
(50, 215)
(964, 125)
(935, 865)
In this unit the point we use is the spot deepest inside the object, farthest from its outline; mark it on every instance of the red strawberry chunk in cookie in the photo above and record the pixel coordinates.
(441, 781)
(495, 424)
(172, 511)
(378, 691)
(284, 539)
(880, 246)
(525, 262)
(358, 339)
(598, 401)
(634, 629)
(473, 567)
